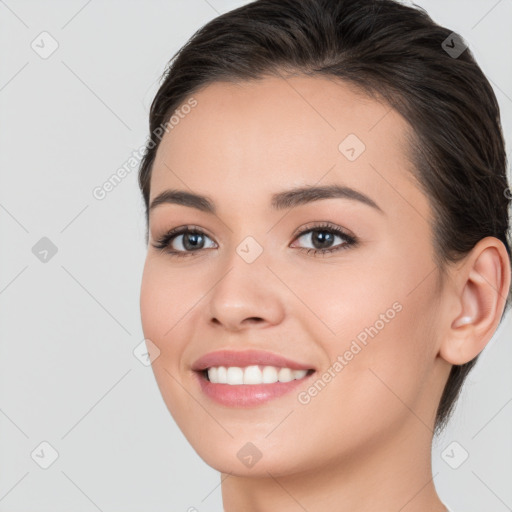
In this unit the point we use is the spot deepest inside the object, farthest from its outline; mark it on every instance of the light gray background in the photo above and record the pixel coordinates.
(69, 326)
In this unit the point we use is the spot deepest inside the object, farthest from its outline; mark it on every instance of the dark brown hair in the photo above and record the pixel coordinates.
(391, 52)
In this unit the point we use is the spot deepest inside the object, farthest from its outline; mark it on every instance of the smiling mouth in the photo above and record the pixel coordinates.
(252, 375)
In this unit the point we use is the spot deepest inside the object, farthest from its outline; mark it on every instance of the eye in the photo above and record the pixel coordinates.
(322, 236)
(182, 241)
(188, 240)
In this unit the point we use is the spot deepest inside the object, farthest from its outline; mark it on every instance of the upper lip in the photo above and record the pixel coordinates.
(246, 358)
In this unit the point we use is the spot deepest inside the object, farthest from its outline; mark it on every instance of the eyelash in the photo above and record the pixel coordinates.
(163, 242)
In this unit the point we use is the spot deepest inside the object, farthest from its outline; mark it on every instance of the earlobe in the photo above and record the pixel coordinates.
(480, 288)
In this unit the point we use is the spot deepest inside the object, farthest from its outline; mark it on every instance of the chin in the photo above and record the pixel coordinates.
(244, 460)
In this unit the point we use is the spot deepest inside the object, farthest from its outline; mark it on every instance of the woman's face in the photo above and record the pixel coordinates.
(363, 317)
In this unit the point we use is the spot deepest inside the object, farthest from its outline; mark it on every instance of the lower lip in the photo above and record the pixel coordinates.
(246, 395)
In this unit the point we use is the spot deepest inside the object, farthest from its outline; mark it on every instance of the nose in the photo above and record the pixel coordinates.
(247, 295)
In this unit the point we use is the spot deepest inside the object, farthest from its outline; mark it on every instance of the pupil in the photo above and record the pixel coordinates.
(195, 244)
(324, 238)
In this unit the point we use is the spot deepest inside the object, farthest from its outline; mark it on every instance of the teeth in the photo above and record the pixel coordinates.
(213, 374)
(255, 374)
(252, 375)
(222, 374)
(235, 375)
(270, 374)
(285, 375)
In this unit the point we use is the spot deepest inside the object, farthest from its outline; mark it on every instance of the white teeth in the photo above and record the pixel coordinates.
(254, 374)
(285, 375)
(222, 374)
(269, 374)
(299, 374)
(213, 374)
(235, 375)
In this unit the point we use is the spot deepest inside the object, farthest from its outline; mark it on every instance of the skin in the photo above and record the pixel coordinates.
(364, 442)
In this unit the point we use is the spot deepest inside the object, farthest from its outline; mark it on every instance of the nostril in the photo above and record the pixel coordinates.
(254, 320)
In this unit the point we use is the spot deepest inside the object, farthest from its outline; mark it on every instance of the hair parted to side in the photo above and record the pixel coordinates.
(391, 52)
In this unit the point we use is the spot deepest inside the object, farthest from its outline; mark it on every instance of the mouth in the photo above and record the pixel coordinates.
(241, 379)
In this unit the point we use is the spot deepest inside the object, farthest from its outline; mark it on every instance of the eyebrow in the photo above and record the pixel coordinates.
(280, 201)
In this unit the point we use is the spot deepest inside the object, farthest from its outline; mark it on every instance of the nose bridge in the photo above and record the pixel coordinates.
(246, 288)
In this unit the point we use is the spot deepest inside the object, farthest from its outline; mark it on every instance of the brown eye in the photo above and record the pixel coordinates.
(321, 238)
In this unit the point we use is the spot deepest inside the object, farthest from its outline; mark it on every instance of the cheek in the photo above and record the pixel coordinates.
(342, 298)
(163, 307)
(377, 318)
(167, 295)
(388, 375)
(154, 302)
(371, 392)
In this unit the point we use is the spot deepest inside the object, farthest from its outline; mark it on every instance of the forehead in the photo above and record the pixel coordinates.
(250, 139)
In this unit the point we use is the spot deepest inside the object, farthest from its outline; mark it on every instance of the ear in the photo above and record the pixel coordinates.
(478, 290)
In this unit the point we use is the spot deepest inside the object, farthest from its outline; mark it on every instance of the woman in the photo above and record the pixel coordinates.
(327, 207)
